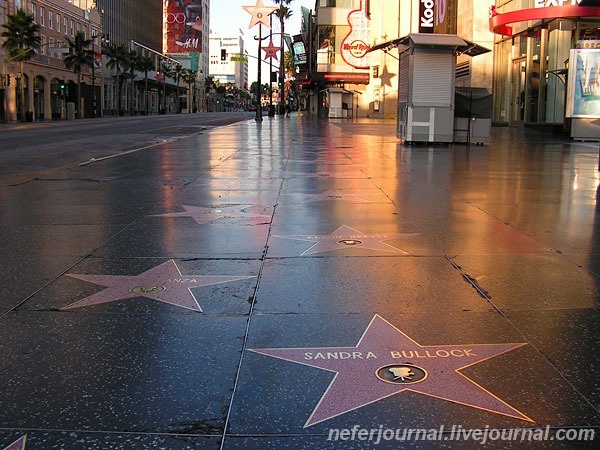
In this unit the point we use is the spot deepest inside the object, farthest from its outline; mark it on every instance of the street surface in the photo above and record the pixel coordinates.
(29, 150)
(213, 282)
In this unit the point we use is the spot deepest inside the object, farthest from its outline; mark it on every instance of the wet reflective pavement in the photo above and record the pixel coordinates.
(268, 285)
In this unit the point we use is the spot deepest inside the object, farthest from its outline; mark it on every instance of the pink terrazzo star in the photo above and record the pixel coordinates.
(163, 283)
(387, 362)
(206, 215)
(345, 237)
(19, 444)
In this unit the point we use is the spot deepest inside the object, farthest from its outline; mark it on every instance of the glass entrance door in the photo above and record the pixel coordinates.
(517, 104)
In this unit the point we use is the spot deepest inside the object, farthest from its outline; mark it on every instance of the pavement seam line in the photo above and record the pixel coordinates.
(497, 309)
(251, 311)
(79, 260)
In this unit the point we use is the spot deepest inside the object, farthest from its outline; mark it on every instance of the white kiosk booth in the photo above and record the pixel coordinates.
(340, 102)
(426, 85)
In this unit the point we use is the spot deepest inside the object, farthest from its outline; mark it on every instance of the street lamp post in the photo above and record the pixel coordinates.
(103, 39)
(259, 13)
(271, 110)
(259, 83)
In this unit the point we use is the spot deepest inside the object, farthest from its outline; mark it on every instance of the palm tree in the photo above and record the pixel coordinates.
(21, 40)
(177, 72)
(209, 85)
(117, 60)
(189, 76)
(146, 64)
(133, 60)
(284, 13)
(79, 56)
(167, 71)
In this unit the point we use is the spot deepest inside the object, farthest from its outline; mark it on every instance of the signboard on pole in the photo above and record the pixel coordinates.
(583, 91)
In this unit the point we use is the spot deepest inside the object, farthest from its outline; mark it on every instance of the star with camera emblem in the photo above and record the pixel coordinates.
(387, 362)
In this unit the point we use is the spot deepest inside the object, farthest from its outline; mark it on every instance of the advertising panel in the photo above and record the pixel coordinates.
(583, 94)
(299, 50)
(183, 26)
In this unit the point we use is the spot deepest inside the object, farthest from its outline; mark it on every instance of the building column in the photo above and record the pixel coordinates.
(11, 100)
(30, 95)
(47, 99)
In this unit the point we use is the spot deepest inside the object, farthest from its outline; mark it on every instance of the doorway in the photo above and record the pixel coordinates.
(518, 80)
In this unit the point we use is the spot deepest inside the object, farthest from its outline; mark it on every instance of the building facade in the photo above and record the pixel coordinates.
(228, 61)
(533, 43)
(185, 38)
(363, 83)
(124, 21)
(49, 87)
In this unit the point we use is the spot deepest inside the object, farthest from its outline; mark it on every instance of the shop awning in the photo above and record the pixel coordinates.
(460, 45)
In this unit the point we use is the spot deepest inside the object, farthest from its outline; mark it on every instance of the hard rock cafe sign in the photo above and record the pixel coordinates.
(354, 46)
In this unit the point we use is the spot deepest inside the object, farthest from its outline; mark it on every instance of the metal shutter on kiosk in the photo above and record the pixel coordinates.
(431, 72)
(403, 79)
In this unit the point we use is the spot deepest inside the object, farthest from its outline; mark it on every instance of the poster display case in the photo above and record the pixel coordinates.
(583, 93)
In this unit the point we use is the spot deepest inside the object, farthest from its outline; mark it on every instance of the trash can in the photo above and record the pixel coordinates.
(70, 110)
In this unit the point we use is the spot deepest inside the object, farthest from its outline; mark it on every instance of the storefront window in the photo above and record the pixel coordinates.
(589, 31)
(335, 3)
(560, 35)
(534, 82)
(502, 94)
(326, 46)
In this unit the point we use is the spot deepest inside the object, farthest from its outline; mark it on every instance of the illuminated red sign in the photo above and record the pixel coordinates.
(347, 77)
(499, 22)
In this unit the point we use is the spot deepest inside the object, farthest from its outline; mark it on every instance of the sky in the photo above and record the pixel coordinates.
(227, 17)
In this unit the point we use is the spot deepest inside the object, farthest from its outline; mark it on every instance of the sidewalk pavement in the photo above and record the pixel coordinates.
(304, 284)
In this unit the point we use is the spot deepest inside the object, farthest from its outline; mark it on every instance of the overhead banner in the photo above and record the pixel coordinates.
(183, 26)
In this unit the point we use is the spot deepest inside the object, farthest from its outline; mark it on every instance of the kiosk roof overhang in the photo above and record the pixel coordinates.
(432, 40)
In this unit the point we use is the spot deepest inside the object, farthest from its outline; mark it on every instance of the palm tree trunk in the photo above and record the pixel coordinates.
(118, 91)
(22, 93)
(146, 92)
(78, 106)
(281, 64)
(131, 95)
(178, 105)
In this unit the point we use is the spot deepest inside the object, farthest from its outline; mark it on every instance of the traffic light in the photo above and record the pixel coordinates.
(62, 84)
(223, 54)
